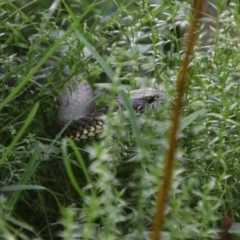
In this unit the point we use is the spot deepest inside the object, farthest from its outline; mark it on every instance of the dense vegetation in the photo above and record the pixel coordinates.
(105, 189)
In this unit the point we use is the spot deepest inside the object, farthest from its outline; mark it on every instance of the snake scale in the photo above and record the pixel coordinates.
(76, 103)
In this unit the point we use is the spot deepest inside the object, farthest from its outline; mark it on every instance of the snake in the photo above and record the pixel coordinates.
(76, 101)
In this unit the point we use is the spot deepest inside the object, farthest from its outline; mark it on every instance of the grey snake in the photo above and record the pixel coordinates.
(76, 103)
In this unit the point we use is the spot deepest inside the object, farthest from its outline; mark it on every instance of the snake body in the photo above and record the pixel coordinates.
(77, 106)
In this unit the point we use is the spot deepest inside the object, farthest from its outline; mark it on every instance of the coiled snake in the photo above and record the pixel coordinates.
(76, 103)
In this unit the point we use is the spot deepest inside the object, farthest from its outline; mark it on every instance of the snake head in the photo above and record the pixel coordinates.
(144, 98)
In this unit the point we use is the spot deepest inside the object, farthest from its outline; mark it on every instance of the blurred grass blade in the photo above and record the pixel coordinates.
(68, 168)
(132, 119)
(20, 133)
(185, 122)
(34, 69)
(81, 163)
(29, 171)
(21, 187)
(95, 54)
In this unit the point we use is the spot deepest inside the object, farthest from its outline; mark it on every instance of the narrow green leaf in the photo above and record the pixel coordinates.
(20, 133)
(185, 122)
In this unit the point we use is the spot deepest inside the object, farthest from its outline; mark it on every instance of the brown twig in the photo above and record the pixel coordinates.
(163, 190)
(225, 226)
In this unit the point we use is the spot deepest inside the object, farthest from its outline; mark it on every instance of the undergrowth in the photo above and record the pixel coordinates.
(52, 188)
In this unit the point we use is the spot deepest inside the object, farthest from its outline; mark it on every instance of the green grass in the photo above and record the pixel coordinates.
(106, 189)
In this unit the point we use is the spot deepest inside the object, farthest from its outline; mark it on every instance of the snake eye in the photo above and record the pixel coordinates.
(152, 101)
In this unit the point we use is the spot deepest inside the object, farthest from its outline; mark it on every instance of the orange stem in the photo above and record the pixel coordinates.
(181, 81)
